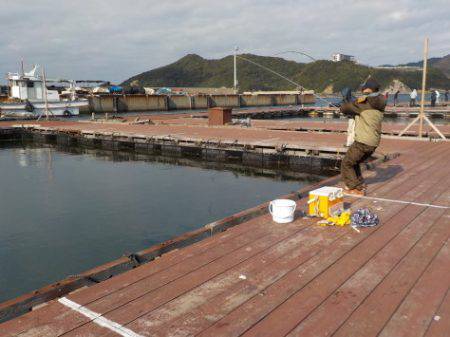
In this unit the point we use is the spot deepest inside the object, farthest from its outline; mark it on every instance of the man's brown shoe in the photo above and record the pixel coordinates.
(355, 192)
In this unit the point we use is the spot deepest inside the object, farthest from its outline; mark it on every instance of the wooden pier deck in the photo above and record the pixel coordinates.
(293, 111)
(304, 125)
(300, 279)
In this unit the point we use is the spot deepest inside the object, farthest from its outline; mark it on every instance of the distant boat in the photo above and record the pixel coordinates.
(28, 96)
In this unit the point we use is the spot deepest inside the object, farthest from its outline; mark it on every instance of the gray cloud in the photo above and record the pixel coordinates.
(115, 39)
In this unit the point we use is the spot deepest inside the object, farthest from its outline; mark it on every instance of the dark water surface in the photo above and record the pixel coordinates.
(63, 213)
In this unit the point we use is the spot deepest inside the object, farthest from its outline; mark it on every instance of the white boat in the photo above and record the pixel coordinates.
(29, 97)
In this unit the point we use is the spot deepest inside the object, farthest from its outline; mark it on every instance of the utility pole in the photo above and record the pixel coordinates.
(235, 81)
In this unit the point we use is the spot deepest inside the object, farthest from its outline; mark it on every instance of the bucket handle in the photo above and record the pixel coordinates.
(271, 207)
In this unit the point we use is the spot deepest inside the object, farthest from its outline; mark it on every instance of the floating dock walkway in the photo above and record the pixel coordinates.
(247, 276)
(303, 125)
(314, 111)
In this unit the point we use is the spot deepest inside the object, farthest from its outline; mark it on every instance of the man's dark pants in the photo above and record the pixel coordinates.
(350, 166)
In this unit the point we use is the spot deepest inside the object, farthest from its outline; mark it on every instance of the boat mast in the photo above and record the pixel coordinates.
(44, 90)
(19, 81)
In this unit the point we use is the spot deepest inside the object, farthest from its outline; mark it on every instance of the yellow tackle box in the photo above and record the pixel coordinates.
(326, 201)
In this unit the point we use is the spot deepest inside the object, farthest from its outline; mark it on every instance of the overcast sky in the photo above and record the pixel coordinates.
(115, 39)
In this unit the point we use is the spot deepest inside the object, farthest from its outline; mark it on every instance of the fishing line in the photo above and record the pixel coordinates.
(397, 201)
(286, 78)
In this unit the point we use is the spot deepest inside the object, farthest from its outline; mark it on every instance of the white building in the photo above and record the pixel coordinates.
(342, 57)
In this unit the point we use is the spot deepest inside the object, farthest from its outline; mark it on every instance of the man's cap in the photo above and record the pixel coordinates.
(370, 83)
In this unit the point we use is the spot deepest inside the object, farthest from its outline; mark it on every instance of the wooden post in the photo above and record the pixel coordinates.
(44, 88)
(424, 83)
(421, 116)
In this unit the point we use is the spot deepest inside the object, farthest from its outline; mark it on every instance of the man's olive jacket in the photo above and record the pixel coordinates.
(368, 111)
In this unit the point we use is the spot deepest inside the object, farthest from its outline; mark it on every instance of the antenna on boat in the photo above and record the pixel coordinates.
(22, 67)
(21, 75)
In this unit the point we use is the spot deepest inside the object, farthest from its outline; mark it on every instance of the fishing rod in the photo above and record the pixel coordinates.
(296, 52)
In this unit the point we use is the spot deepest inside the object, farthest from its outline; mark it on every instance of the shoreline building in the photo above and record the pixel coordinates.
(338, 57)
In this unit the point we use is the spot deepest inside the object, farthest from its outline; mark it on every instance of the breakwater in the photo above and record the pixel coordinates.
(142, 102)
(305, 158)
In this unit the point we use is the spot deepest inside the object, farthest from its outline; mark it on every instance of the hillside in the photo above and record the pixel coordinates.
(441, 63)
(193, 70)
(320, 74)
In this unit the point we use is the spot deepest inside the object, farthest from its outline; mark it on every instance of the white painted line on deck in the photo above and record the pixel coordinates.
(98, 318)
(396, 201)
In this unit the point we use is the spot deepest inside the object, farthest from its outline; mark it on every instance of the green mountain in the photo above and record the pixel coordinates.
(321, 74)
(441, 63)
(195, 71)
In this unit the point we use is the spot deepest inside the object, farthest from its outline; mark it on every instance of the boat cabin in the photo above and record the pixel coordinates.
(29, 86)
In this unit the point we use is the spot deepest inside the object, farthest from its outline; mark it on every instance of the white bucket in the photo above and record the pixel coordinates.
(282, 210)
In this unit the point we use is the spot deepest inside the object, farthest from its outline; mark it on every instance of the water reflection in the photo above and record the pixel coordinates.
(64, 212)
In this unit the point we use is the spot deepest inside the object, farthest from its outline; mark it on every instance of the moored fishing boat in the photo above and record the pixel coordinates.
(28, 96)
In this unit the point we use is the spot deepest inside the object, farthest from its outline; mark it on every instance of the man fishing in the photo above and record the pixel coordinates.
(368, 113)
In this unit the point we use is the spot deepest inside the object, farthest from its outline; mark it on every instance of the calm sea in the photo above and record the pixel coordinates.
(63, 213)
